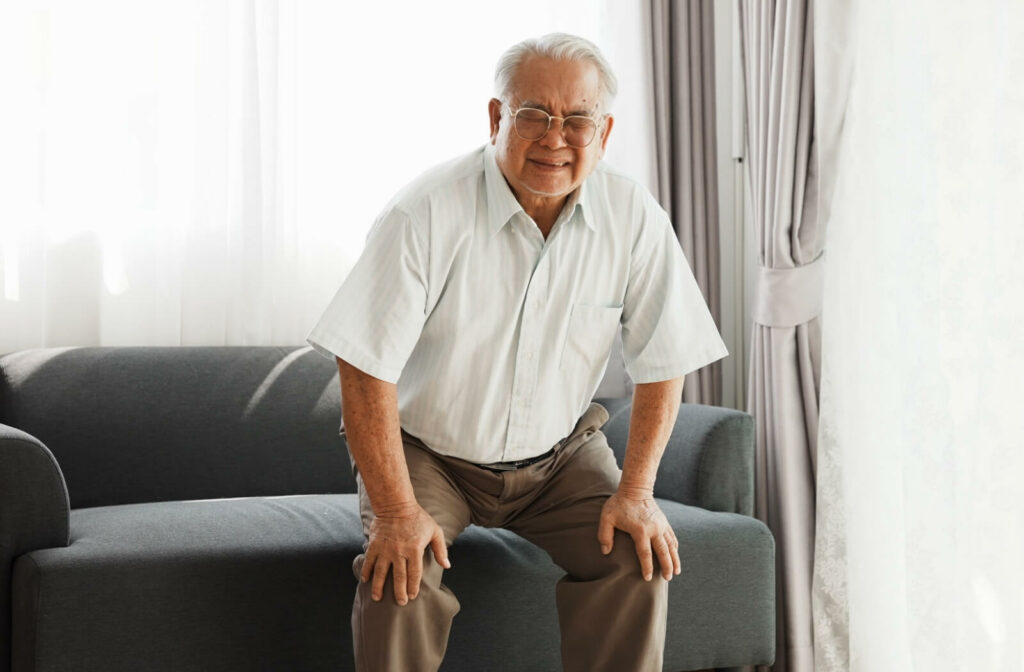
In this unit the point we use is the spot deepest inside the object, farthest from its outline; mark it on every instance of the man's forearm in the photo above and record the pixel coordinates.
(655, 407)
(370, 410)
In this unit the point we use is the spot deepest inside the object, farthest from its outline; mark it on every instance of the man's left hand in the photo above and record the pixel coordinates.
(637, 514)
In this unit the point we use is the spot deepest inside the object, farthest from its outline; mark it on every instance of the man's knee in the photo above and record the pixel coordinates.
(621, 562)
(430, 579)
(626, 558)
(613, 582)
(414, 636)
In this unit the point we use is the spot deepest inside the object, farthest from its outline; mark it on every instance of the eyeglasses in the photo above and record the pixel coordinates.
(533, 124)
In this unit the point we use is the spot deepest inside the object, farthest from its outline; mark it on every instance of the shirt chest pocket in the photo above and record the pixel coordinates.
(590, 336)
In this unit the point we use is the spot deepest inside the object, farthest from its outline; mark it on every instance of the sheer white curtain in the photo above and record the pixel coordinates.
(205, 171)
(920, 513)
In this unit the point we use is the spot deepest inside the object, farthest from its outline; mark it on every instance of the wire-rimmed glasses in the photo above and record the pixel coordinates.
(533, 124)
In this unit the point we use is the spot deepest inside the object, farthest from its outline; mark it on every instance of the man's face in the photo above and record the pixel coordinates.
(548, 169)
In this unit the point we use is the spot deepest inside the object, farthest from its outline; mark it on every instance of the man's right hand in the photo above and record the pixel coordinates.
(398, 537)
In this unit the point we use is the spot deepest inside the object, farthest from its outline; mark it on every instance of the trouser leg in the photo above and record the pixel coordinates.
(387, 636)
(610, 618)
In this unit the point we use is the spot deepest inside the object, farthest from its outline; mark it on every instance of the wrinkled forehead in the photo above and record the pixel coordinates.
(558, 87)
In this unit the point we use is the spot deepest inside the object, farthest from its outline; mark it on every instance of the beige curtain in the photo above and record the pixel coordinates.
(683, 69)
(782, 172)
(833, 69)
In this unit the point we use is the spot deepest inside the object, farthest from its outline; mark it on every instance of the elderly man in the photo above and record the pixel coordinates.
(470, 338)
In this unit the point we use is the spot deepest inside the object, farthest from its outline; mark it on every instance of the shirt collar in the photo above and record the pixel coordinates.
(502, 205)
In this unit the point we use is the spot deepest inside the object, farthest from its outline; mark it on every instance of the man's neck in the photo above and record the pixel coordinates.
(545, 219)
(544, 211)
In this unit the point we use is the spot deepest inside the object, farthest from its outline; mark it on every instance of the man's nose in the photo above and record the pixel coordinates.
(554, 138)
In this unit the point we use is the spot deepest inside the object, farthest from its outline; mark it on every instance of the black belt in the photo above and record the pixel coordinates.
(518, 464)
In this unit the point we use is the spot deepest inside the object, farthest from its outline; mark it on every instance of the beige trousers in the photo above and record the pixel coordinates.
(556, 504)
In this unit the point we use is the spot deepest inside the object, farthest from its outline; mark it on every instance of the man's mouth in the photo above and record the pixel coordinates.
(546, 163)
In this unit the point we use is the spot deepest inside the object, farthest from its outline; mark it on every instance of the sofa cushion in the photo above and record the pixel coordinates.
(266, 583)
(151, 424)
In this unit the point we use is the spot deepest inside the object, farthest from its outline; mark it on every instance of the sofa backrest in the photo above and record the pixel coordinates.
(147, 424)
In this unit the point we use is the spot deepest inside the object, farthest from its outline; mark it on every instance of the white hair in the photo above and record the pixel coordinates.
(557, 47)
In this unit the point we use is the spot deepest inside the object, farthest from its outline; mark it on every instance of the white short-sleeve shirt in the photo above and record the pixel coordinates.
(498, 338)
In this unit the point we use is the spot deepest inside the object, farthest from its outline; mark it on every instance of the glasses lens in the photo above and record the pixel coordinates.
(579, 131)
(532, 124)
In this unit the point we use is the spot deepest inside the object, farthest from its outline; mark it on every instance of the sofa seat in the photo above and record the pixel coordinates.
(194, 585)
(205, 584)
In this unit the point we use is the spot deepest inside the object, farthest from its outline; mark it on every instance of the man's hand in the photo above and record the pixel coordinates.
(637, 514)
(397, 540)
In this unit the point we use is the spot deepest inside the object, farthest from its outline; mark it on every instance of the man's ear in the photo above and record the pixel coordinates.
(608, 122)
(494, 112)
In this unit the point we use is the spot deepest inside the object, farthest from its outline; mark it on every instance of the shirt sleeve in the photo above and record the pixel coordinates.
(667, 329)
(375, 318)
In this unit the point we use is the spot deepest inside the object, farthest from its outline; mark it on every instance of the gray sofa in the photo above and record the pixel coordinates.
(191, 509)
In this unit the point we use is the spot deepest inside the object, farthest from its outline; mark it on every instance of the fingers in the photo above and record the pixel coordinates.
(643, 552)
(440, 548)
(606, 533)
(368, 562)
(673, 545)
(415, 569)
(401, 572)
(662, 548)
(380, 572)
(440, 551)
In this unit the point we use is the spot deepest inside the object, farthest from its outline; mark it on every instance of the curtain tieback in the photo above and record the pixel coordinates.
(787, 297)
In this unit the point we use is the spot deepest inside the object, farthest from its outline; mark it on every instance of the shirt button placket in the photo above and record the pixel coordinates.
(525, 380)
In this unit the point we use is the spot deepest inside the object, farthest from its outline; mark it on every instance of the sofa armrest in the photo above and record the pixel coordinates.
(709, 461)
(34, 511)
